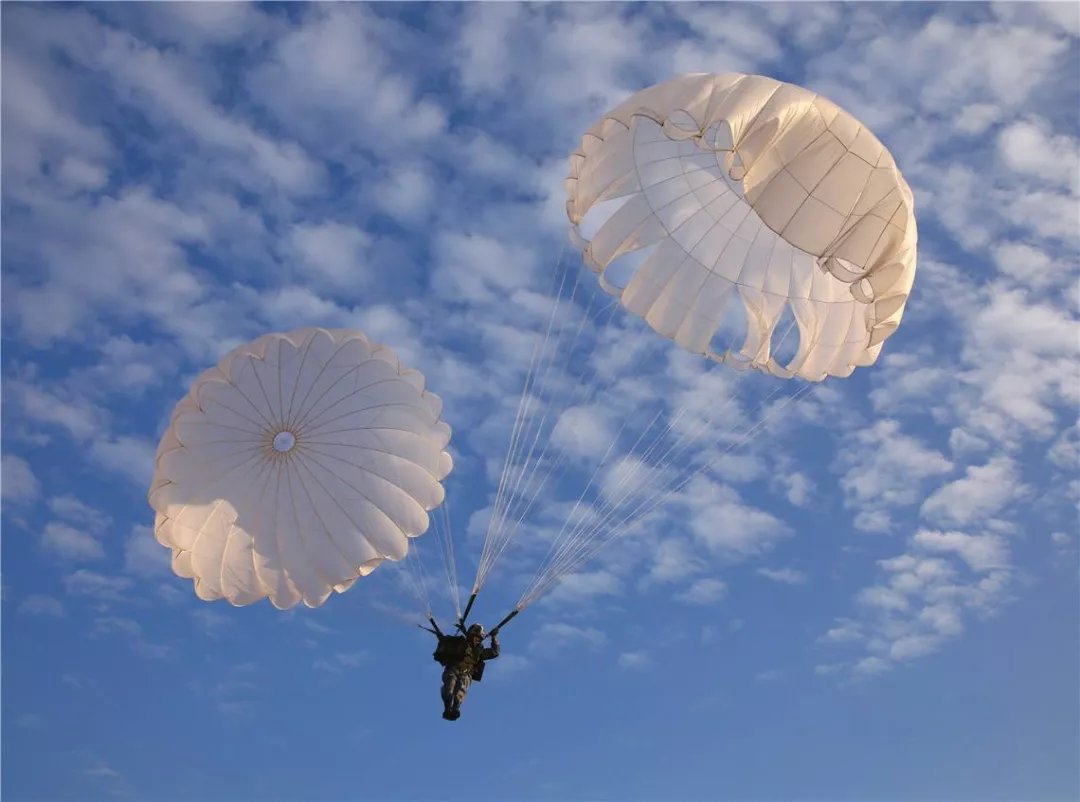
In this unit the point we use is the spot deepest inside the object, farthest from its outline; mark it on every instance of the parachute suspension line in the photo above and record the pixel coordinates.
(585, 532)
(496, 540)
(447, 544)
(493, 522)
(565, 561)
(521, 466)
(560, 546)
(594, 390)
(662, 495)
(416, 573)
(643, 459)
(533, 465)
(550, 578)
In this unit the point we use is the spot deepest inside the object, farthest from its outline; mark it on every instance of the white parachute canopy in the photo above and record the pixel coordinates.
(715, 208)
(750, 190)
(296, 466)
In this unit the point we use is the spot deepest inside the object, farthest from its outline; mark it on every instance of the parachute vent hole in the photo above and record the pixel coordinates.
(598, 214)
(622, 268)
(731, 334)
(786, 338)
(284, 442)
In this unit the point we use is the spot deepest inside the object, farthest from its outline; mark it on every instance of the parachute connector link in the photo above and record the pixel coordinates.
(506, 620)
(465, 615)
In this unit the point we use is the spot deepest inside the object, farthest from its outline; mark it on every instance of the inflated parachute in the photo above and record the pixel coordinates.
(747, 187)
(725, 202)
(296, 466)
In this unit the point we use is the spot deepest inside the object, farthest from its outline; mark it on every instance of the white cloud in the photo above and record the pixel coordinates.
(574, 588)
(789, 576)
(113, 624)
(871, 666)
(982, 492)
(340, 662)
(1029, 147)
(884, 598)
(826, 669)
(922, 601)
(673, 560)
(726, 526)
(847, 631)
(143, 555)
(314, 626)
(1065, 452)
(584, 432)
(97, 586)
(329, 80)
(407, 193)
(38, 604)
(772, 675)
(703, 591)
(81, 419)
(198, 24)
(885, 470)
(351, 659)
(71, 543)
(131, 456)
(634, 660)
(480, 269)
(76, 512)
(18, 484)
(553, 638)
(332, 251)
(80, 174)
(800, 488)
(976, 118)
(980, 552)
(161, 85)
(1030, 265)
(211, 622)
(171, 595)
(153, 651)
(101, 771)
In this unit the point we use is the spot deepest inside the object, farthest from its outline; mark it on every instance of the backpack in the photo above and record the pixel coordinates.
(451, 650)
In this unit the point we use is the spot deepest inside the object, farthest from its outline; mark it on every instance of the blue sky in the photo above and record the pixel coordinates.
(876, 599)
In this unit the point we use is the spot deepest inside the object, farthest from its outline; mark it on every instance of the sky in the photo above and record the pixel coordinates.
(872, 598)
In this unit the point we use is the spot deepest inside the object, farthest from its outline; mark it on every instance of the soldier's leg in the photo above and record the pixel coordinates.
(463, 682)
(449, 679)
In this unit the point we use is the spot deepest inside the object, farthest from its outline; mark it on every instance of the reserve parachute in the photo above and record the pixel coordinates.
(296, 466)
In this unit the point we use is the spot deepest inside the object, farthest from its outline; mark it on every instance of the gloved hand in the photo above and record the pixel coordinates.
(495, 634)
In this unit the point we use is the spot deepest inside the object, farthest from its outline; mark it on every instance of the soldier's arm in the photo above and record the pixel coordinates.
(493, 652)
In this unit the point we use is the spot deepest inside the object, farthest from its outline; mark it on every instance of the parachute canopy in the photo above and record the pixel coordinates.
(296, 466)
(752, 191)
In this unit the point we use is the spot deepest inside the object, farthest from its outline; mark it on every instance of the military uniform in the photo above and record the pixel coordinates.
(457, 677)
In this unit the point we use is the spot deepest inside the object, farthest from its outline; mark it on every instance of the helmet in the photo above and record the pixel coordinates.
(476, 629)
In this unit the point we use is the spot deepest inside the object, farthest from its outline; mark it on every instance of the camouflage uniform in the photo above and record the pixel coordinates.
(457, 678)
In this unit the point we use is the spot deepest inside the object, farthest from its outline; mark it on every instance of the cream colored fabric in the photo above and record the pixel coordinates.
(750, 189)
(296, 466)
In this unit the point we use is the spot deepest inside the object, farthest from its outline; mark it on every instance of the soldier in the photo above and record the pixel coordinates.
(462, 663)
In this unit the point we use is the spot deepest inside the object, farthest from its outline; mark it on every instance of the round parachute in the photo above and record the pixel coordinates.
(296, 466)
(753, 192)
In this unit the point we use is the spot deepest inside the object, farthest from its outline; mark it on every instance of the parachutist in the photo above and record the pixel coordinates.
(463, 658)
